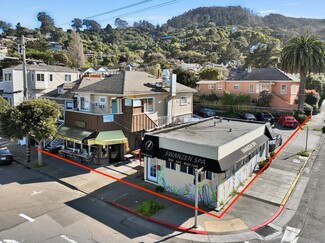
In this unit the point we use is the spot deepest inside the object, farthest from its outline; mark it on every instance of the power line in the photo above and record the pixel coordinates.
(112, 11)
(143, 10)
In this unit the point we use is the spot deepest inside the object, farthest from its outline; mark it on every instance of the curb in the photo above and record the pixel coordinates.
(172, 226)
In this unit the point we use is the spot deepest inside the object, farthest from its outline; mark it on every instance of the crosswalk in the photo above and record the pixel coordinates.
(290, 235)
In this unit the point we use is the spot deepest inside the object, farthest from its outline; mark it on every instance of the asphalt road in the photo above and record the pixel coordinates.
(34, 208)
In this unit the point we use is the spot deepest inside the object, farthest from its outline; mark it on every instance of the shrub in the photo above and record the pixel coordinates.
(149, 208)
(303, 153)
(159, 189)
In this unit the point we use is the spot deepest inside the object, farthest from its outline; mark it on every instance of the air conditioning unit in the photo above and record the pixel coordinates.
(95, 104)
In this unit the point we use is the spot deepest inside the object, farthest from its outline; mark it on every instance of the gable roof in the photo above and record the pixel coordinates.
(44, 67)
(130, 83)
(272, 74)
(70, 88)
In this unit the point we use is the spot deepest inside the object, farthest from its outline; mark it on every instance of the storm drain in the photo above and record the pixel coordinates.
(266, 231)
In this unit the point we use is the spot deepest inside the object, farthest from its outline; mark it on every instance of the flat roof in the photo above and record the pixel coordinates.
(212, 132)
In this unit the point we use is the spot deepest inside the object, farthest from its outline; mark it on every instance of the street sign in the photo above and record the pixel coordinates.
(20, 49)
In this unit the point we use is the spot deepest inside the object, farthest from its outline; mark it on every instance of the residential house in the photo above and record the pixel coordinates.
(100, 70)
(40, 79)
(194, 67)
(119, 108)
(284, 87)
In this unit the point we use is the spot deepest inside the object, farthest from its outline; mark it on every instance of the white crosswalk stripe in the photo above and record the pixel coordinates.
(290, 235)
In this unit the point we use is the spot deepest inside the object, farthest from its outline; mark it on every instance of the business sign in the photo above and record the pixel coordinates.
(189, 160)
(108, 118)
(128, 102)
(137, 102)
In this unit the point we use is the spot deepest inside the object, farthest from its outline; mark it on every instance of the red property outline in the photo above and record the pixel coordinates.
(174, 200)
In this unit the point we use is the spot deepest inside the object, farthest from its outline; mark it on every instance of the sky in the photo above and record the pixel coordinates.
(154, 11)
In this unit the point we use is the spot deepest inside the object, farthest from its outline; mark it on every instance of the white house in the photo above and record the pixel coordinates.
(41, 78)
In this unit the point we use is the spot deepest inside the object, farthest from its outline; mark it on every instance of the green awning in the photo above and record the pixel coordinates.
(73, 134)
(109, 138)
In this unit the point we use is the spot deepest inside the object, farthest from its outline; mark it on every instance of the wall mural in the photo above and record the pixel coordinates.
(218, 190)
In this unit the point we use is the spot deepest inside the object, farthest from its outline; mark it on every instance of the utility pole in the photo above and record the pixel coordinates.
(197, 172)
(23, 52)
(306, 147)
(26, 93)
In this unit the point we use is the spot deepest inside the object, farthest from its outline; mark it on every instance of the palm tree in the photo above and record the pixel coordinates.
(303, 54)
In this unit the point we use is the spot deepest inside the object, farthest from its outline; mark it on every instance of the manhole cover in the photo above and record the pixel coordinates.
(266, 231)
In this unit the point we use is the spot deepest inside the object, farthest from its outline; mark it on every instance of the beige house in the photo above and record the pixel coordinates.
(284, 87)
(130, 102)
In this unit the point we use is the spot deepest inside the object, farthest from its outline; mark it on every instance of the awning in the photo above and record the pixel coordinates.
(73, 134)
(227, 162)
(109, 138)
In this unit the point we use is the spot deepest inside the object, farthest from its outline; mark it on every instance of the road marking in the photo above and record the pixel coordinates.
(68, 239)
(290, 235)
(9, 241)
(35, 192)
(297, 161)
(26, 217)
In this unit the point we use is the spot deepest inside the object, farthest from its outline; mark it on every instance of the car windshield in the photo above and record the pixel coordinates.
(250, 116)
(290, 119)
(268, 115)
(4, 151)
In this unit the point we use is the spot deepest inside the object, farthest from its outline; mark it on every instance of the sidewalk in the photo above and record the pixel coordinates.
(260, 204)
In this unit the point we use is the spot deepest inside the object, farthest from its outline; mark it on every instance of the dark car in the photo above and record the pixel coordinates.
(206, 112)
(248, 116)
(265, 116)
(6, 157)
(275, 142)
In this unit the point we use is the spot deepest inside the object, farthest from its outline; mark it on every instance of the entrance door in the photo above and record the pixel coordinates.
(152, 169)
(114, 106)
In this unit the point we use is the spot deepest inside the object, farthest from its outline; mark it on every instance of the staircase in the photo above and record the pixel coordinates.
(56, 142)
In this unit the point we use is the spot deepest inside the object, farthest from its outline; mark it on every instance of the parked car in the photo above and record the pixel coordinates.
(248, 116)
(265, 116)
(275, 142)
(289, 121)
(206, 112)
(6, 157)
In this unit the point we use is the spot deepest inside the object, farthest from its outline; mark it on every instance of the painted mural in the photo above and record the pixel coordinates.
(216, 191)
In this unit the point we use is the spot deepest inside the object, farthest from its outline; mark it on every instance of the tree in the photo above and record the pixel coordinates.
(77, 24)
(5, 26)
(186, 77)
(121, 24)
(92, 25)
(47, 23)
(303, 54)
(211, 73)
(76, 50)
(35, 118)
(4, 105)
(264, 99)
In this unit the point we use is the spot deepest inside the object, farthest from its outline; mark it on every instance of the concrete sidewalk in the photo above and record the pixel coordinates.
(260, 203)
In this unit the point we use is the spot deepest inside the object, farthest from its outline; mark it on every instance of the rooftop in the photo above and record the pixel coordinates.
(212, 132)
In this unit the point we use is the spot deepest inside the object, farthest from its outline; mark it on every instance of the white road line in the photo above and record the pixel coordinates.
(68, 239)
(290, 235)
(9, 241)
(35, 192)
(26, 217)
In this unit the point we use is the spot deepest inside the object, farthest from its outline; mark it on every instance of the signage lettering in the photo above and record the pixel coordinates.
(184, 159)
(249, 147)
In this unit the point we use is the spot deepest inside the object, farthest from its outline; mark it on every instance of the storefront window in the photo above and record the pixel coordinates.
(183, 168)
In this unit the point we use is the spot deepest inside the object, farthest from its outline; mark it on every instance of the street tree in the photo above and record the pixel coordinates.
(76, 50)
(36, 117)
(4, 105)
(303, 54)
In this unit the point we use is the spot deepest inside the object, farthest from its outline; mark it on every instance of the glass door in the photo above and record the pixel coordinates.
(152, 169)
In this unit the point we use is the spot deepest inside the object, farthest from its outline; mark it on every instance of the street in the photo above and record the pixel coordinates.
(35, 208)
